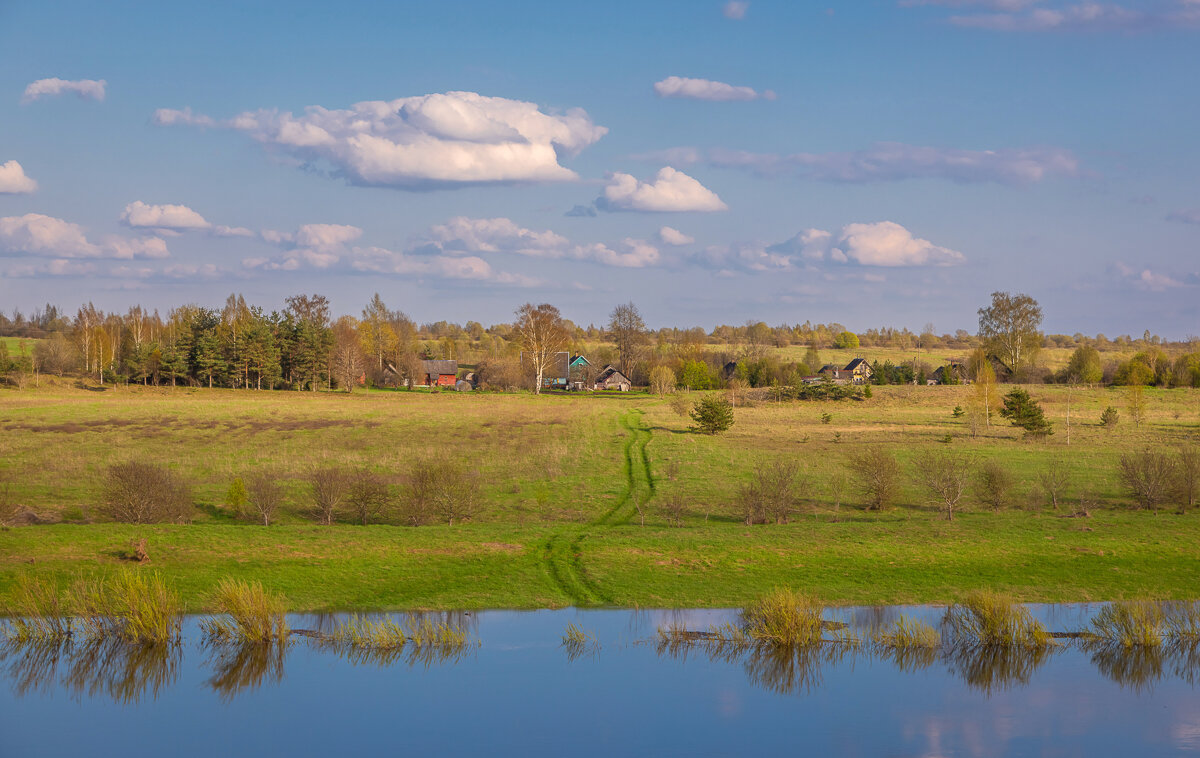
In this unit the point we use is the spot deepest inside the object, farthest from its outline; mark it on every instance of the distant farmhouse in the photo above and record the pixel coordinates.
(567, 372)
(438, 373)
(612, 379)
(857, 371)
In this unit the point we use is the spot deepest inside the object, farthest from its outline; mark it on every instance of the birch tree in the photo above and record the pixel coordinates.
(542, 334)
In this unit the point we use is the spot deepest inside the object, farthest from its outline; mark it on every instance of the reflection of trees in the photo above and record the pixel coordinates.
(1137, 667)
(996, 667)
(245, 666)
(1185, 658)
(124, 671)
(33, 665)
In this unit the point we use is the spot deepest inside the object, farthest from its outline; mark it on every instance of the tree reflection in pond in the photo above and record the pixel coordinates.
(245, 666)
(990, 668)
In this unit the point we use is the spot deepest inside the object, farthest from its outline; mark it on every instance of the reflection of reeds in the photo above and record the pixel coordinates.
(991, 667)
(33, 663)
(122, 670)
(1135, 666)
(245, 666)
(1129, 624)
(994, 620)
(419, 639)
(1182, 621)
(252, 614)
(577, 642)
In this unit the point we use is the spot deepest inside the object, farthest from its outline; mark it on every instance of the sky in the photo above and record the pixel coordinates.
(872, 163)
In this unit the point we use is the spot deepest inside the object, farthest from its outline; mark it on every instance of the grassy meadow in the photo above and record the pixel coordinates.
(573, 489)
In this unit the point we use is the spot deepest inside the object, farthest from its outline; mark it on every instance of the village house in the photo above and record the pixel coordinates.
(857, 371)
(612, 379)
(568, 372)
(438, 373)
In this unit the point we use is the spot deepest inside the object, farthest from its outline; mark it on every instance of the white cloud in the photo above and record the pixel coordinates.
(670, 191)
(705, 89)
(84, 88)
(185, 117)
(326, 237)
(888, 244)
(276, 237)
(735, 9)
(233, 231)
(319, 246)
(1147, 280)
(1060, 16)
(383, 261)
(631, 253)
(13, 180)
(670, 236)
(745, 256)
(56, 267)
(139, 215)
(883, 244)
(493, 235)
(891, 161)
(38, 234)
(425, 142)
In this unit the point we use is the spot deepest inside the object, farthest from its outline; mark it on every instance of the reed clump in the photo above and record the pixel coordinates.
(146, 609)
(1130, 624)
(251, 614)
(1182, 621)
(575, 636)
(39, 614)
(907, 634)
(993, 620)
(365, 633)
(783, 617)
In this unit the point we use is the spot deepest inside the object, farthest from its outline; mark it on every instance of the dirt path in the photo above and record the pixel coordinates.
(562, 553)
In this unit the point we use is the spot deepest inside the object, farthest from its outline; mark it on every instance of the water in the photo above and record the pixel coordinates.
(519, 692)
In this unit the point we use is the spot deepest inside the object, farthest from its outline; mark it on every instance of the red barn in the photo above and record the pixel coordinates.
(439, 373)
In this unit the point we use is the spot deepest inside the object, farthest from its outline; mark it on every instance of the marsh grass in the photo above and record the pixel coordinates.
(147, 609)
(907, 634)
(1129, 624)
(989, 619)
(39, 613)
(578, 642)
(252, 614)
(783, 617)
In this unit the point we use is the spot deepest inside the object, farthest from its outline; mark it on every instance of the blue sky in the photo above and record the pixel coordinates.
(872, 162)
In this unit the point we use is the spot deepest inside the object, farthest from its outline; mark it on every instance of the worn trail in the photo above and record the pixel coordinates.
(562, 553)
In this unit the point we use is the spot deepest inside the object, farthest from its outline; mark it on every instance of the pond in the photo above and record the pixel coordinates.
(515, 689)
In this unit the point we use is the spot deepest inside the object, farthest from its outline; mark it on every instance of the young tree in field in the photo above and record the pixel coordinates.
(441, 488)
(1009, 328)
(985, 397)
(945, 476)
(1084, 366)
(1135, 402)
(145, 493)
(376, 333)
(628, 330)
(369, 497)
(993, 485)
(1025, 412)
(713, 414)
(662, 380)
(330, 485)
(1055, 479)
(347, 358)
(1149, 476)
(774, 492)
(542, 334)
(264, 495)
(1187, 477)
(876, 475)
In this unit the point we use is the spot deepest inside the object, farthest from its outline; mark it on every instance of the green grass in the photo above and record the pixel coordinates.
(567, 483)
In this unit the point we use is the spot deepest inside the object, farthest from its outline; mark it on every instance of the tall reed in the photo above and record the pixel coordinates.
(1182, 620)
(783, 617)
(1130, 624)
(905, 634)
(39, 613)
(147, 609)
(252, 614)
(991, 619)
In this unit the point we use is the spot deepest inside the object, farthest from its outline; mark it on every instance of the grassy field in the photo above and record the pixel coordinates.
(568, 482)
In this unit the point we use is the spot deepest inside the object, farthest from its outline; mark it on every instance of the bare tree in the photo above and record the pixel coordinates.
(662, 380)
(330, 486)
(945, 476)
(1054, 480)
(369, 497)
(442, 488)
(876, 476)
(1135, 397)
(993, 485)
(1187, 477)
(264, 495)
(347, 356)
(1149, 476)
(542, 335)
(774, 492)
(145, 493)
(673, 507)
(628, 330)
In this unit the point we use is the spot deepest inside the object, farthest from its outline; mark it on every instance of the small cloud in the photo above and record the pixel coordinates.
(670, 191)
(670, 236)
(37, 234)
(631, 253)
(84, 88)
(13, 180)
(495, 235)
(185, 117)
(233, 231)
(1185, 216)
(888, 244)
(581, 211)
(1147, 280)
(326, 237)
(735, 9)
(139, 215)
(705, 89)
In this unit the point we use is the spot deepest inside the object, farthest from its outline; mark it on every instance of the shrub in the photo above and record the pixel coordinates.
(38, 613)
(146, 610)
(673, 507)
(1025, 412)
(369, 497)
(1109, 418)
(993, 485)
(1187, 477)
(1148, 476)
(145, 493)
(783, 617)
(826, 418)
(236, 497)
(1054, 480)
(681, 404)
(905, 633)
(443, 489)
(876, 475)
(712, 414)
(990, 619)
(254, 614)
(1129, 624)
(773, 493)
(957, 412)
(944, 475)
(662, 380)
(264, 495)
(330, 487)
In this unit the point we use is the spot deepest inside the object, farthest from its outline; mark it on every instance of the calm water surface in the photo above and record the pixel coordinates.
(518, 692)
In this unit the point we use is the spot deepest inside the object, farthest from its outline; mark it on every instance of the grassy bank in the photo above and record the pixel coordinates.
(566, 483)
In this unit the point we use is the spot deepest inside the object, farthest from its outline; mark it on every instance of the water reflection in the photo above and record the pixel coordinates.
(122, 671)
(245, 666)
(991, 668)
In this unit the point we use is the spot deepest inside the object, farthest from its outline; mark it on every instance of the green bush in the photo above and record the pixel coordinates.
(712, 414)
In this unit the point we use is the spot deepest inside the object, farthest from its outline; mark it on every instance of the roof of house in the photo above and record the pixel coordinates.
(610, 372)
(439, 367)
(828, 367)
(579, 360)
(855, 364)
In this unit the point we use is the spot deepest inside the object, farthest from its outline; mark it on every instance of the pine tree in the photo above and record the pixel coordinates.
(1025, 412)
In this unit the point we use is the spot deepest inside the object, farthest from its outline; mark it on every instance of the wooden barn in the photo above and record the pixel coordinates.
(612, 379)
(439, 373)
